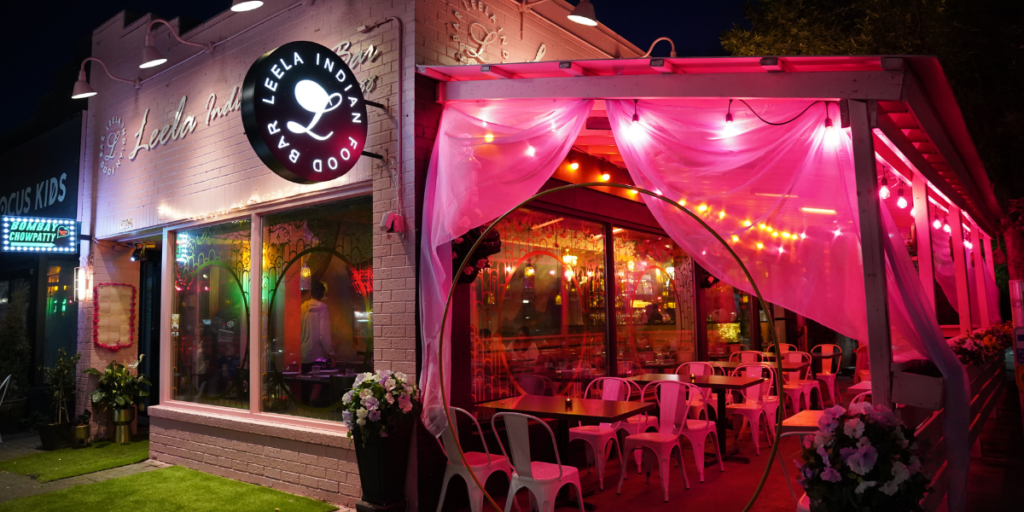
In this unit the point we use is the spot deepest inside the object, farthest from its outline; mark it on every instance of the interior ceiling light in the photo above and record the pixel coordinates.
(151, 57)
(245, 5)
(584, 14)
(82, 89)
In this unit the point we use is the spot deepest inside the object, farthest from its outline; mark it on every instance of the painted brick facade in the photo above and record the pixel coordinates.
(212, 173)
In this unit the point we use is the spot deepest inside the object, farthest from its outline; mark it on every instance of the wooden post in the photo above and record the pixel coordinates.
(255, 312)
(963, 289)
(700, 319)
(863, 118)
(979, 277)
(923, 224)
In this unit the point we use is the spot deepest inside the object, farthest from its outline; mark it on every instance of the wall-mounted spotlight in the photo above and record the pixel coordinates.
(151, 57)
(83, 90)
(584, 14)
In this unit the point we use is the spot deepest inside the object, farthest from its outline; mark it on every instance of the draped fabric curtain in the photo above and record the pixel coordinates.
(488, 157)
(783, 197)
(945, 275)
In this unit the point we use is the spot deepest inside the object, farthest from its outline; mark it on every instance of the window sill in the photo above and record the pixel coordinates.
(273, 425)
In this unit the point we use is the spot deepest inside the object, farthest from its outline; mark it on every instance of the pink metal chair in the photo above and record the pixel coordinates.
(829, 368)
(599, 437)
(863, 397)
(702, 368)
(638, 424)
(482, 464)
(862, 366)
(542, 479)
(747, 356)
(673, 408)
(752, 407)
(698, 430)
(807, 385)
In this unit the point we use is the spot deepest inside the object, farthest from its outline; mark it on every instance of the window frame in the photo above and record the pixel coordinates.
(255, 216)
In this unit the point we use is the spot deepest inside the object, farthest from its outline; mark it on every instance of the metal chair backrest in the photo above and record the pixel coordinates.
(799, 357)
(450, 434)
(747, 356)
(698, 368)
(611, 388)
(756, 394)
(863, 397)
(673, 404)
(829, 366)
(517, 426)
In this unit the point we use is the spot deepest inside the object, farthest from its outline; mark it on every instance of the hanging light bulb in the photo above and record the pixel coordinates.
(900, 201)
(574, 165)
(883, 190)
(937, 224)
(945, 225)
(730, 129)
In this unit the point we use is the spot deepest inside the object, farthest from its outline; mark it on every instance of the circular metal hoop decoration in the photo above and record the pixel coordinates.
(304, 113)
(771, 325)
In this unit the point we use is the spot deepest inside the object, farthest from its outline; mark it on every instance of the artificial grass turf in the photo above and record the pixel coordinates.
(163, 490)
(69, 462)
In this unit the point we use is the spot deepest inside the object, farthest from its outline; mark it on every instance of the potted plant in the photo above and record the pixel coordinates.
(82, 428)
(60, 383)
(379, 412)
(861, 460)
(120, 388)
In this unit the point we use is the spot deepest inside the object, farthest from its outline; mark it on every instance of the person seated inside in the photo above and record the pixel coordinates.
(522, 350)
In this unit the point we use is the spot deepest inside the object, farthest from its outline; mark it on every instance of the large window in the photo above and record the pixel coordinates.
(538, 312)
(727, 311)
(210, 317)
(317, 306)
(654, 329)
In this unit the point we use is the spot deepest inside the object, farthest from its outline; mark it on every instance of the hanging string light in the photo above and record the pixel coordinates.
(937, 223)
(636, 116)
(945, 225)
(900, 200)
(883, 190)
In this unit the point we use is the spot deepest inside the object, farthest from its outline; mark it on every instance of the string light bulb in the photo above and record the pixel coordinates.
(636, 116)
(901, 201)
(574, 165)
(937, 224)
(730, 129)
(945, 226)
(883, 190)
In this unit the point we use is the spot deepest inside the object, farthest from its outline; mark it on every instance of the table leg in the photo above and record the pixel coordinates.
(722, 423)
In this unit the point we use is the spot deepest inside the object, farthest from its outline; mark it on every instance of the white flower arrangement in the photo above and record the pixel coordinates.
(378, 403)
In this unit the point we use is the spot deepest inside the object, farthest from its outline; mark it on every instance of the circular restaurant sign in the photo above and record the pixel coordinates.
(304, 113)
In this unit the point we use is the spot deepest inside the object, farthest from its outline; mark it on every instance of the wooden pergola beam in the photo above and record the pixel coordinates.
(861, 85)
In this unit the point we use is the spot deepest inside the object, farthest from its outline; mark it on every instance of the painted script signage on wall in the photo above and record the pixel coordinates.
(303, 112)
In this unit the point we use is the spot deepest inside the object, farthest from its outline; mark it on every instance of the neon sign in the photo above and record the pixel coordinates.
(303, 112)
(36, 234)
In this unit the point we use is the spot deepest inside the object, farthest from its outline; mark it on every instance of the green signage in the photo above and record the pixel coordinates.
(36, 234)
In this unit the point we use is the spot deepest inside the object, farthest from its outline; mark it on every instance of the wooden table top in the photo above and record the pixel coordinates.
(803, 422)
(582, 408)
(787, 366)
(704, 381)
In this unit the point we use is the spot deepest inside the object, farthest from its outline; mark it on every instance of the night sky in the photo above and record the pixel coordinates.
(41, 35)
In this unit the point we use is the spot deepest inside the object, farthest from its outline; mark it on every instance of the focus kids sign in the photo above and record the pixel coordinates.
(304, 113)
(36, 234)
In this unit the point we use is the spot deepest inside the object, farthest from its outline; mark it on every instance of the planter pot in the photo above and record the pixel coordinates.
(56, 436)
(123, 419)
(383, 462)
(81, 435)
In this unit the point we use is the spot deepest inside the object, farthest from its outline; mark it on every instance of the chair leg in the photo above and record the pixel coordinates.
(510, 499)
(755, 433)
(622, 474)
(444, 489)
(638, 455)
(663, 467)
(682, 467)
(476, 498)
(718, 452)
(698, 457)
(579, 496)
(599, 461)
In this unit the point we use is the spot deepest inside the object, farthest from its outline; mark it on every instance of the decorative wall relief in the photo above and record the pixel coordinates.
(479, 37)
(112, 145)
(113, 324)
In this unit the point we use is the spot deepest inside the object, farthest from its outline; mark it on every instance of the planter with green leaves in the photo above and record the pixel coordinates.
(120, 389)
(60, 384)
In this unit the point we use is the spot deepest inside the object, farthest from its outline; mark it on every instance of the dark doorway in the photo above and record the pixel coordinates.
(149, 326)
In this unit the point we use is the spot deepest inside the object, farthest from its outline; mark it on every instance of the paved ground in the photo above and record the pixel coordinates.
(17, 486)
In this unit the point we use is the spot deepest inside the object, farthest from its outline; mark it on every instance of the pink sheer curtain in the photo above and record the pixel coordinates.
(488, 157)
(784, 198)
(945, 273)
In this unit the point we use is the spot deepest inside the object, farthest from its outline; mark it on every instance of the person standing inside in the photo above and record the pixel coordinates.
(316, 328)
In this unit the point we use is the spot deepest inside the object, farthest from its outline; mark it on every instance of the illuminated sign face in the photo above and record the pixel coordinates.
(303, 112)
(36, 234)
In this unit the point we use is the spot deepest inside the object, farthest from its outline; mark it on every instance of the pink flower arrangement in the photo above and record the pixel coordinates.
(861, 458)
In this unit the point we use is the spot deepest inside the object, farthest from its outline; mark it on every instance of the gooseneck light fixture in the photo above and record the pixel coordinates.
(82, 89)
(671, 53)
(245, 5)
(584, 14)
(151, 57)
